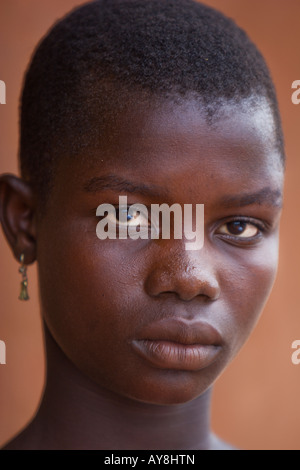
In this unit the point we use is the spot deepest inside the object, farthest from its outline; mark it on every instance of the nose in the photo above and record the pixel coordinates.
(185, 273)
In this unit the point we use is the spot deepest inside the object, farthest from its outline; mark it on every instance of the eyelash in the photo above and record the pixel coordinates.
(261, 227)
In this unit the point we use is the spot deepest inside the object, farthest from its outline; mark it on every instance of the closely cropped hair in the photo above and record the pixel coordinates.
(105, 50)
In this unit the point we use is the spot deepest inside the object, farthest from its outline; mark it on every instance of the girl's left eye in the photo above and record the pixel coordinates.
(239, 229)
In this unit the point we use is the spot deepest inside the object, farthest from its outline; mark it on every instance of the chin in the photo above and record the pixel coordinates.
(173, 388)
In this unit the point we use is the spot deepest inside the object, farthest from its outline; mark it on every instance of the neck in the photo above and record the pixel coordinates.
(76, 413)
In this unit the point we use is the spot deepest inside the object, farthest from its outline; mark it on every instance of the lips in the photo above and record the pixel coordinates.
(178, 344)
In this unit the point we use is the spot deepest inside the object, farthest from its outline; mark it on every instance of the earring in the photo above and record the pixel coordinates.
(24, 283)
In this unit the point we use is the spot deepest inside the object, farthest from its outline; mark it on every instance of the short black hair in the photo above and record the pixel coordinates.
(104, 49)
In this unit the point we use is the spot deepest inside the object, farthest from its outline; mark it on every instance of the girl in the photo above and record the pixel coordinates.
(167, 103)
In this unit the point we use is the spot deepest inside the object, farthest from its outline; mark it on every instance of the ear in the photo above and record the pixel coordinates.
(18, 216)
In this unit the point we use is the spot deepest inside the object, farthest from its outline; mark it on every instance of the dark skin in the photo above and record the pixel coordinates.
(97, 297)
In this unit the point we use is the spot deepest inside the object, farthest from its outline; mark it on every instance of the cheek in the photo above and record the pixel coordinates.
(97, 302)
(248, 283)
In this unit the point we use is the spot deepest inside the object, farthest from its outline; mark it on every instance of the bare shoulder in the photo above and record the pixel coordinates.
(25, 440)
(219, 444)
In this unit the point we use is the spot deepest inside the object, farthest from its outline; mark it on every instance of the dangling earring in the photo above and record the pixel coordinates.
(24, 283)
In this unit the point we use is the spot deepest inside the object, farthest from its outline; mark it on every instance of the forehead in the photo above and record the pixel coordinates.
(170, 144)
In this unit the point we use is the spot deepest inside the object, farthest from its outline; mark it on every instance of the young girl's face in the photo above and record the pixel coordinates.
(148, 319)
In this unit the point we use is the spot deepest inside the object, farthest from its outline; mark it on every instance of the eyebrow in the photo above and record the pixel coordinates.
(266, 196)
(116, 183)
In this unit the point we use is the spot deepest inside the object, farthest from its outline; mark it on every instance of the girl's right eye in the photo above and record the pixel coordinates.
(122, 217)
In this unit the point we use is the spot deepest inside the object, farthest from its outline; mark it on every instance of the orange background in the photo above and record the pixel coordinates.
(256, 403)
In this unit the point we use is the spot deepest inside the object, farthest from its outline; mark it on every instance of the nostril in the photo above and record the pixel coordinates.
(184, 279)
